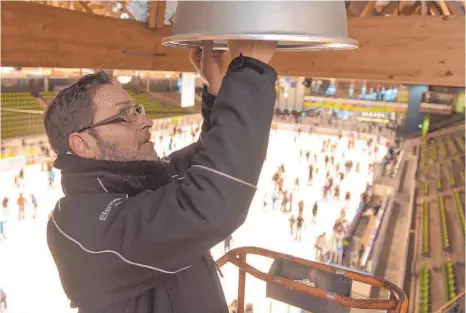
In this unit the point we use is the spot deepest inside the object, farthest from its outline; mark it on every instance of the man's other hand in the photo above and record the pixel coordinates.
(211, 65)
(257, 49)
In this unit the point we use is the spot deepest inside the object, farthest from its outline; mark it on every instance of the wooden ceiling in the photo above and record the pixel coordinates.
(117, 9)
(426, 47)
(404, 8)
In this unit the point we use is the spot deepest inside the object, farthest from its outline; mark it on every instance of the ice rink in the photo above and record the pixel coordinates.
(28, 274)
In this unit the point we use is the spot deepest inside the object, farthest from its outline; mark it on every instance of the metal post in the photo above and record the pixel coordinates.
(241, 286)
(46, 83)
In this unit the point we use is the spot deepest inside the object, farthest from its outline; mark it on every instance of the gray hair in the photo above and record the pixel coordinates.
(72, 109)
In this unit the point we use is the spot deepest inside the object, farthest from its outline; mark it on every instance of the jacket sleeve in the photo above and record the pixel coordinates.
(178, 223)
(181, 159)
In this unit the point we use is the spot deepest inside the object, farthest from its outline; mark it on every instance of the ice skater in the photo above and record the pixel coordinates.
(320, 247)
(34, 204)
(51, 177)
(21, 204)
(299, 226)
(314, 213)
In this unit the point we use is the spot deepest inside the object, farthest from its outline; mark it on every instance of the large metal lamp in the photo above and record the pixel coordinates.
(296, 25)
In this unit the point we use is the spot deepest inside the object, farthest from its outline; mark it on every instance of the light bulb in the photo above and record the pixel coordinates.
(124, 79)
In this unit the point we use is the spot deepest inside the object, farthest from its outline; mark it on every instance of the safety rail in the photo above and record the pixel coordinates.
(397, 302)
(443, 223)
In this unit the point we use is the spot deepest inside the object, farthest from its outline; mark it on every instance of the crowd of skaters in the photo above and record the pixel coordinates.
(25, 203)
(328, 167)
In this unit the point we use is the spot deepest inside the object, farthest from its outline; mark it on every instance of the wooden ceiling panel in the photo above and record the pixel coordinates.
(415, 49)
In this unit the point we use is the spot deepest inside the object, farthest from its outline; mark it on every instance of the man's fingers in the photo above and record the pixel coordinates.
(195, 53)
(195, 57)
(207, 47)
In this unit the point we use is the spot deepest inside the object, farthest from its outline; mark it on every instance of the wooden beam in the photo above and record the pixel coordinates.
(455, 7)
(443, 7)
(152, 18)
(160, 11)
(390, 8)
(418, 10)
(84, 5)
(410, 9)
(403, 49)
(367, 11)
(424, 7)
(357, 7)
(433, 10)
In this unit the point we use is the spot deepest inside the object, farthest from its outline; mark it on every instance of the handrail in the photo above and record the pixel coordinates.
(397, 303)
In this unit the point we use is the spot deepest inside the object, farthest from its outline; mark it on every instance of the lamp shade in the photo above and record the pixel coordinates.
(296, 25)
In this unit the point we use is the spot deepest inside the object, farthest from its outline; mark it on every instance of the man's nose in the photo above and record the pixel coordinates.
(146, 121)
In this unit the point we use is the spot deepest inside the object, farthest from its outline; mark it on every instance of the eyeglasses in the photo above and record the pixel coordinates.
(127, 115)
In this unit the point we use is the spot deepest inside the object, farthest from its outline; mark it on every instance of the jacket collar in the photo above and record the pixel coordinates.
(80, 175)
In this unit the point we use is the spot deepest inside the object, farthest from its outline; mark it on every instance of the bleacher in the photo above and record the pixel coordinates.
(154, 109)
(441, 224)
(48, 95)
(17, 117)
(424, 290)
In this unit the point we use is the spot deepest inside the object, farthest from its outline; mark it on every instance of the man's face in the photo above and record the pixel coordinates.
(121, 141)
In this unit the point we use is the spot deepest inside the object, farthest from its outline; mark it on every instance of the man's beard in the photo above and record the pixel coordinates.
(108, 151)
(111, 152)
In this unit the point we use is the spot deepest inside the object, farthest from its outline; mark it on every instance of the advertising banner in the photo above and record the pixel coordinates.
(355, 105)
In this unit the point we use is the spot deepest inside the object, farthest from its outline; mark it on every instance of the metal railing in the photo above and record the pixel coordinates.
(397, 302)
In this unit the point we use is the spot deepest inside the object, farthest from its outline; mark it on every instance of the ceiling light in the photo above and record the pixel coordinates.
(124, 79)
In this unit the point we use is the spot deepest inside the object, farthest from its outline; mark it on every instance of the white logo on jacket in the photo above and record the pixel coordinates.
(108, 209)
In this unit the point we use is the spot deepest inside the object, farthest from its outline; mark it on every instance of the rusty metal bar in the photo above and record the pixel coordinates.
(398, 302)
(241, 286)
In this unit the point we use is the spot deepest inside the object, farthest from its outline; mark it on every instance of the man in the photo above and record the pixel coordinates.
(133, 234)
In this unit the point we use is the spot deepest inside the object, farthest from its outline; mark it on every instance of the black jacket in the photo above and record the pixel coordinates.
(135, 236)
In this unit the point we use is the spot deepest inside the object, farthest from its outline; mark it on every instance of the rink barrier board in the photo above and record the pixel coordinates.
(383, 217)
(13, 163)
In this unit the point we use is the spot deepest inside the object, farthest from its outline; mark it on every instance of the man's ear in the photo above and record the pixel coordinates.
(83, 145)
